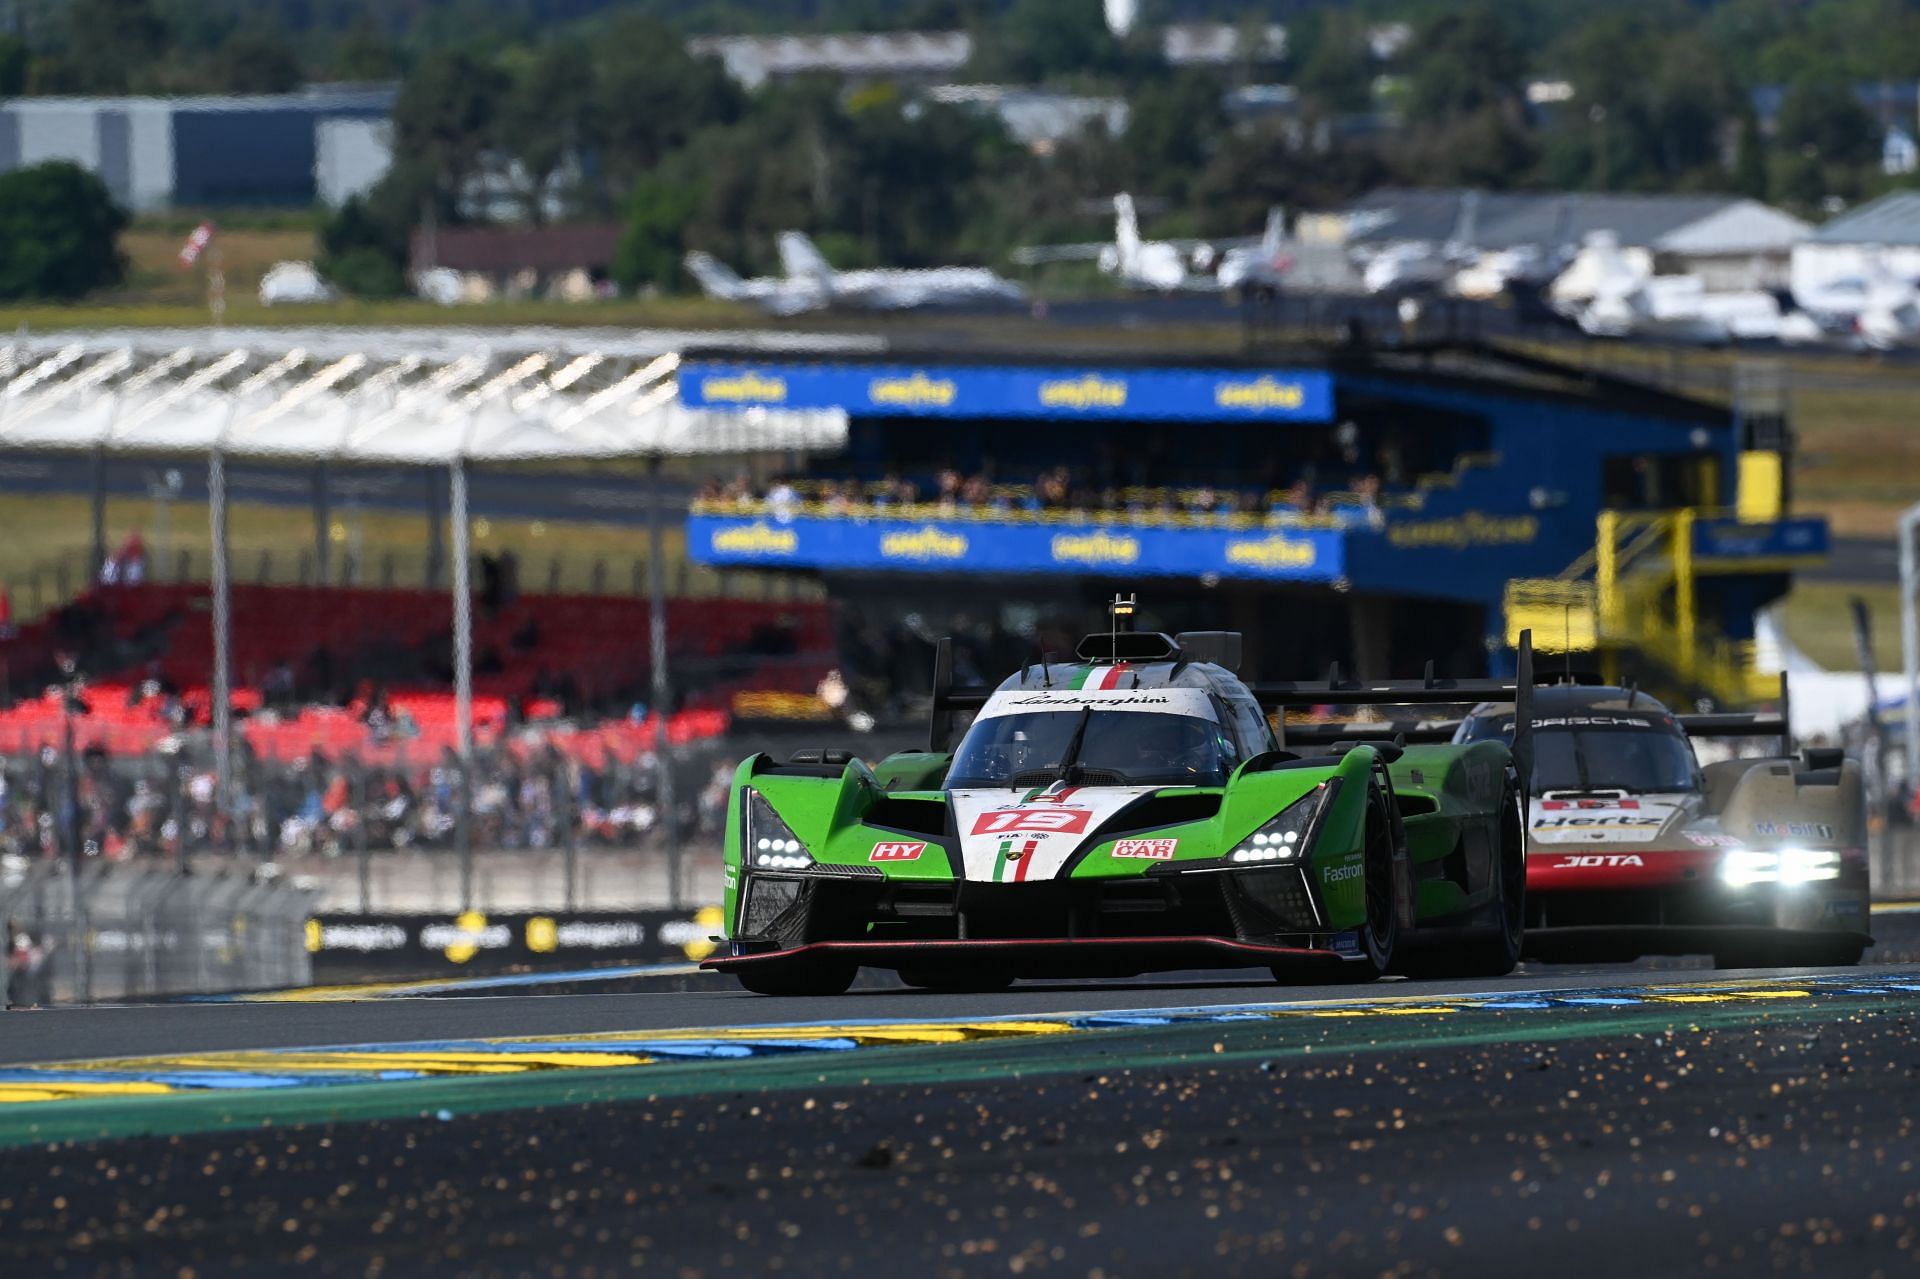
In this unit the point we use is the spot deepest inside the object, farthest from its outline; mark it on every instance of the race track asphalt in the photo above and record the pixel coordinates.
(1567, 1122)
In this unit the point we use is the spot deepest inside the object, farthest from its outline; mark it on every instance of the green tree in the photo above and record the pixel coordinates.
(1822, 120)
(1336, 67)
(654, 239)
(650, 96)
(14, 58)
(1750, 160)
(366, 53)
(1036, 40)
(443, 120)
(1173, 127)
(256, 61)
(58, 233)
(112, 44)
(547, 117)
(1466, 59)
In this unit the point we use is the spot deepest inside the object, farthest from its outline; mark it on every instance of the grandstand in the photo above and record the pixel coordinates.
(1367, 505)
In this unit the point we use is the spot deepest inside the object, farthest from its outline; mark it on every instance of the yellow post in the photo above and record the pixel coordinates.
(1606, 576)
(1684, 604)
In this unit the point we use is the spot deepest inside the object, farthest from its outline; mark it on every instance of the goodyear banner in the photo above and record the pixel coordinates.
(1307, 555)
(899, 390)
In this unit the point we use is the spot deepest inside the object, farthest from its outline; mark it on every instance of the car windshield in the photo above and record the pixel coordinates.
(1629, 756)
(1117, 748)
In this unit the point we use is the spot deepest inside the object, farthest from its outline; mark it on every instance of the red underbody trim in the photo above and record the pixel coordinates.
(878, 952)
(1572, 869)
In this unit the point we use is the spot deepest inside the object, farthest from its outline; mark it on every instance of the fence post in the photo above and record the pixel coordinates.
(563, 794)
(357, 773)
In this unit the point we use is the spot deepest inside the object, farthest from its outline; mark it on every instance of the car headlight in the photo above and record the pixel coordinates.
(1747, 866)
(771, 843)
(1285, 837)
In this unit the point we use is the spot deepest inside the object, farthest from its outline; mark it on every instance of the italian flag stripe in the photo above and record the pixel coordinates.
(1081, 676)
(1112, 677)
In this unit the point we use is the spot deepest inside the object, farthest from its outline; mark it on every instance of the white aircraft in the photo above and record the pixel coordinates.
(1163, 266)
(1612, 292)
(1264, 264)
(772, 294)
(893, 289)
(1877, 308)
(809, 283)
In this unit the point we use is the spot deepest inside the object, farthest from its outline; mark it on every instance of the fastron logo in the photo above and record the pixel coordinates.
(1159, 850)
(896, 852)
(1064, 821)
(1336, 874)
(1593, 860)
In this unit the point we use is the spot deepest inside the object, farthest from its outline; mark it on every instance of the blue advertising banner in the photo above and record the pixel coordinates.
(900, 390)
(1303, 555)
(1776, 540)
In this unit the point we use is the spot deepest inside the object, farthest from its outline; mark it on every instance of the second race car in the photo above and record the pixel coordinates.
(1634, 848)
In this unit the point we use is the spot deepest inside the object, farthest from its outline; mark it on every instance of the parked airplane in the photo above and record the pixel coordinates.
(1263, 264)
(1877, 308)
(894, 288)
(1164, 266)
(774, 294)
(1612, 292)
(810, 283)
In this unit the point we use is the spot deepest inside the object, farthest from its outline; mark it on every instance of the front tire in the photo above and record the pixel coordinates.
(809, 978)
(1380, 934)
(1497, 953)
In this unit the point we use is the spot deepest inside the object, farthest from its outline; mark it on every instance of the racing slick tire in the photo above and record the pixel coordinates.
(817, 977)
(938, 982)
(1380, 935)
(1497, 952)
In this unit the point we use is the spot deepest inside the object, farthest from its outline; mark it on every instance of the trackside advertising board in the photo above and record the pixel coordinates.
(444, 945)
(1280, 554)
(1136, 395)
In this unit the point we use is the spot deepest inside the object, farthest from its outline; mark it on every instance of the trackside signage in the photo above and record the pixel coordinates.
(901, 390)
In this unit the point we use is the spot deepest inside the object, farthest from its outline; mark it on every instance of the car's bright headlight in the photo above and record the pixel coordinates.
(771, 843)
(1747, 866)
(1285, 837)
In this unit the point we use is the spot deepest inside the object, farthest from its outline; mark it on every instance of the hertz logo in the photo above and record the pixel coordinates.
(1273, 553)
(1261, 393)
(1089, 392)
(915, 391)
(1095, 548)
(928, 543)
(746, 388)
(756, 539)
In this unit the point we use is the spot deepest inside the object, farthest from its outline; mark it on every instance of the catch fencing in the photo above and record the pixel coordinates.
(131, 931)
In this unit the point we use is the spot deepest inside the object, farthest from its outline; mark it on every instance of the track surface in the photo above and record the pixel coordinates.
(1750, 1135)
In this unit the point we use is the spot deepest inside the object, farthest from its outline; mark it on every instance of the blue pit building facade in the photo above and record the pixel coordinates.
(1382, 509)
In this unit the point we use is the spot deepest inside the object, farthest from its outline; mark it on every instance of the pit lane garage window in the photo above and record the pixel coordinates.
(1115, 748)
(1605, 753)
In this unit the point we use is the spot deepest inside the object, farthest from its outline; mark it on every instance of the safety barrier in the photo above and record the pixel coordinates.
(118, 932)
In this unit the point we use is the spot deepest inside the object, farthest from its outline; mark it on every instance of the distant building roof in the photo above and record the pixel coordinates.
(1743, 227)
(1214, 44)
(753, 60)
(1892, 219)
(320, 99)
(1503, 220)
(556, 248)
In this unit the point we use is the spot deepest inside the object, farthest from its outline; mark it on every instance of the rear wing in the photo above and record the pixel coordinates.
(949, 702)
(1743, 724)
(1428, 691)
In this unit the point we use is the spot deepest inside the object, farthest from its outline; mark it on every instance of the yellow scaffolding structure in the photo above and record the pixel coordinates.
(1638, 590)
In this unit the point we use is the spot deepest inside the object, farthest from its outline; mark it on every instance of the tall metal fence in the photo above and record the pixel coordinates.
(128, 931)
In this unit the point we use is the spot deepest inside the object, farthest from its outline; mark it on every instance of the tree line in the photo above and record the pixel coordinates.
(587, 110)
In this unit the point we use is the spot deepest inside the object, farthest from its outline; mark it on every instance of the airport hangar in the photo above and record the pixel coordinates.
(1500, 465)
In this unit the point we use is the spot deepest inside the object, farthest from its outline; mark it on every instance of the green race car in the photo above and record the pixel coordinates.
(1132, 811)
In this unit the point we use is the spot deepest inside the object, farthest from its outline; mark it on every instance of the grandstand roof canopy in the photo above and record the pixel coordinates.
(384, 402)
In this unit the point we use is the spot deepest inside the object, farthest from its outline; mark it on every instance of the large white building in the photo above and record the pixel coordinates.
(287, 150)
